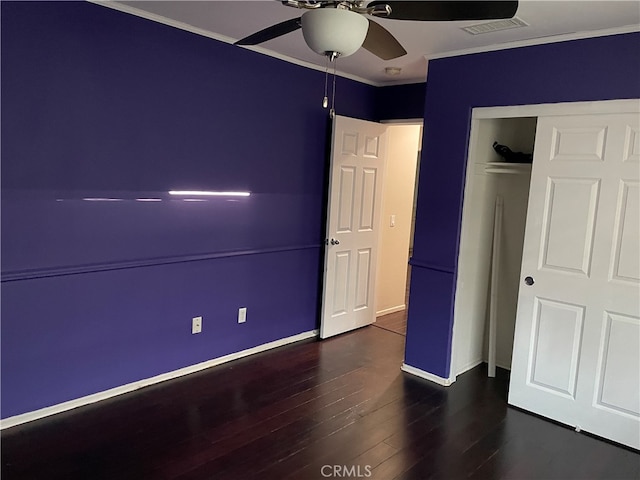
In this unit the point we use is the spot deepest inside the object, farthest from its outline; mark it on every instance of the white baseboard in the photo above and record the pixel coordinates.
(502, 366)
(387, 311)
(130, 387)
(469, 366)
(445, 382)
(475, 363)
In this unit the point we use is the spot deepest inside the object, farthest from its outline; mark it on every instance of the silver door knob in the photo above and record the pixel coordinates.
(529, 281)
(335, 242)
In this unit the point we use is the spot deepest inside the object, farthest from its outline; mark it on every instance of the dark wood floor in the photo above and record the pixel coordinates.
(393, 322)
(287, 413)
(397, 322)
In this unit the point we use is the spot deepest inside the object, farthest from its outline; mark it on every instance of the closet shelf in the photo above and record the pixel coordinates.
(507, 167)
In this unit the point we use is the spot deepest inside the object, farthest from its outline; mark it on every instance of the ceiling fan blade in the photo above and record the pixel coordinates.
(381, 43)
(448, 10)
(271, 32)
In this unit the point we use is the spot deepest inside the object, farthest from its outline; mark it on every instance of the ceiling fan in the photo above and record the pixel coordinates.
(339, 27)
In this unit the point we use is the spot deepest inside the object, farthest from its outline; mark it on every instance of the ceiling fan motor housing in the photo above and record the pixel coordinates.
(328, 30)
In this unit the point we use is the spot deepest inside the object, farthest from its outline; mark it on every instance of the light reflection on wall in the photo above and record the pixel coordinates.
(103, 199)
(204, 193)
(201, 196)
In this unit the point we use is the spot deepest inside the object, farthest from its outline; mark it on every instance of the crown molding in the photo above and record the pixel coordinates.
(432, 56)
(221, 38)
(537, 41)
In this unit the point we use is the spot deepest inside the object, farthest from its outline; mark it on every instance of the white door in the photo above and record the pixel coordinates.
(576, 356)
(355, 191)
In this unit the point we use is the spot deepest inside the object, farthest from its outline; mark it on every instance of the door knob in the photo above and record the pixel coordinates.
(529, 281)
(335, 242)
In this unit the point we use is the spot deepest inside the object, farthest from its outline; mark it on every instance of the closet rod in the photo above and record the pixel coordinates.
(507, 167)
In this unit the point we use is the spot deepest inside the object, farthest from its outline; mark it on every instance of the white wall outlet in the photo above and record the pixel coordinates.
(196, 325)
(392, 221)
(242, 315)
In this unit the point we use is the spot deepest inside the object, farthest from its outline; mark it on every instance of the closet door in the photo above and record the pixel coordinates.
(576, 355)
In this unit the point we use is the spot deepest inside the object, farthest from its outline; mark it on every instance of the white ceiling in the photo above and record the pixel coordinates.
(547, 21)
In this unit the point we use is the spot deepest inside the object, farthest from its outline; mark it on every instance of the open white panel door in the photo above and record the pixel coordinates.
(355, 190)
(576, 356)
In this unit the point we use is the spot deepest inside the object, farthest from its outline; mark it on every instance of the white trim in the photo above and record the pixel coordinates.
(387, 311)
(473, 364)
(469, 366)
(562, 108)
(538, 41)
(453, 53)
(405, 121)
(508, 369)
(223, 38)
(516, 111)
(160, 19)
(130, 387)
(445, 382)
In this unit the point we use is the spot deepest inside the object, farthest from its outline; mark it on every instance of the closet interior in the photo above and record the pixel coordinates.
(489, 265)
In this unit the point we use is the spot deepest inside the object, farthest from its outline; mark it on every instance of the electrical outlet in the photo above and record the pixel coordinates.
(196, 325)
(242, 315)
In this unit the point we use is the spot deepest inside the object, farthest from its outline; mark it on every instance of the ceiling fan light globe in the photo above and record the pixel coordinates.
(334, 30)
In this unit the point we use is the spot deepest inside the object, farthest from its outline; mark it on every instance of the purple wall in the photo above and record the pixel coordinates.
(584, 70)
(100, 104)
(400, 102)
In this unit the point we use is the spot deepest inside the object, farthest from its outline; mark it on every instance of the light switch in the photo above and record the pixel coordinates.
(392, 222)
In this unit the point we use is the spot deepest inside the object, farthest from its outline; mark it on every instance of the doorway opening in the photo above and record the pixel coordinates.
(397, 224)
(492, 237)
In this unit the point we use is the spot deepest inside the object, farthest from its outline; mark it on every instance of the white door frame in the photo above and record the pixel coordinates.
(380, 223)
(402, 122)
(516, 111)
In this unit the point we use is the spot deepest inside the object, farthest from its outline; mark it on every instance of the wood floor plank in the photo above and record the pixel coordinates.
(290, 412)
(354, 440)
(393, 322)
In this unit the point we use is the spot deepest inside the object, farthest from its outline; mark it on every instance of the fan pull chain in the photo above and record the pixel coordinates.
(332, 112)
(331, 57)
(325, 100)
